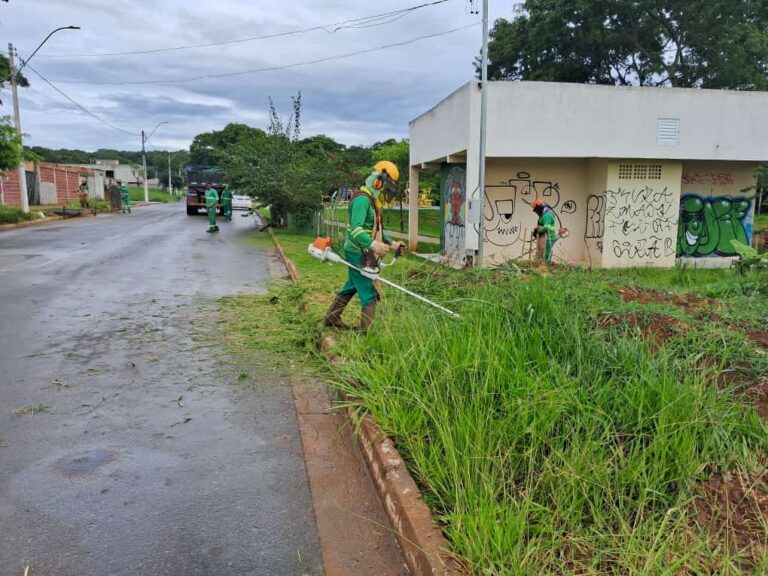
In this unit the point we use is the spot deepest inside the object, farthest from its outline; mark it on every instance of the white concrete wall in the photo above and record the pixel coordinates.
(641, 214)
(513, 185)
(557, 120)
(443, 130)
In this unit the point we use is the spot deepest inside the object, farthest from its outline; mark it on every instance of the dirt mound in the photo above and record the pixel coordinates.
(655, 328)
(757, 394)
(759, 336)
(689, 302)
(734, 507)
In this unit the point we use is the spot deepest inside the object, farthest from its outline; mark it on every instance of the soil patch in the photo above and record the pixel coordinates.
(757, 394)
(655, 328)
(759, 336)
(733, 507)
(690, 302)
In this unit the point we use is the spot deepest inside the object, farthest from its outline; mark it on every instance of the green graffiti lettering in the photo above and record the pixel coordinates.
(707, 225)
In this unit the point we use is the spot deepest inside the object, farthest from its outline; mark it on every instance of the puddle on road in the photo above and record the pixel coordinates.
(84, 462)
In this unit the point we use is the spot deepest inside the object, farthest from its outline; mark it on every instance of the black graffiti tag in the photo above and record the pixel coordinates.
(644, 221)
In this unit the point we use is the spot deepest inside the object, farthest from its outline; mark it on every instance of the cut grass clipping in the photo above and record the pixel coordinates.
(545, 440)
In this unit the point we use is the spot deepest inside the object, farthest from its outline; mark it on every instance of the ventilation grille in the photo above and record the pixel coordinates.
(668, 131)
(639, 171)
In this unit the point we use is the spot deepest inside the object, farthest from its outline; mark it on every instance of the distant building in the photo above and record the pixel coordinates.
(49, 183)
(639, 176)
(126, 173)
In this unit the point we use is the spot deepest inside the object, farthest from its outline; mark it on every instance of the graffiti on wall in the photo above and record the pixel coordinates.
(503, 219)
(711, 178)
(707, 225)
(595, 229)
(454, 196)
(642, 221)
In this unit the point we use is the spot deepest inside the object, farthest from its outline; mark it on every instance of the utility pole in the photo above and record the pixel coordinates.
(483, 125)
(17, 116)
(17, 122)
(170, 186)
(144, 140)
(144, 164)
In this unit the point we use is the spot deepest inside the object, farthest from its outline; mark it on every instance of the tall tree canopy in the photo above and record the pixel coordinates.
(681, 43)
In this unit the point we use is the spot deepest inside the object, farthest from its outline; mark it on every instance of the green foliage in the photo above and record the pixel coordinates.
(12, 215)
(394, 151)
(11, 149)
(683, 43)
(748, 258)
(5, 75)
(548, 434)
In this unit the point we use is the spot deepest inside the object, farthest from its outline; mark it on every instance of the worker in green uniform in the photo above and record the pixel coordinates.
(125, 197)
(364, 237)
(226, 199)
(544, 232)
(211, 204)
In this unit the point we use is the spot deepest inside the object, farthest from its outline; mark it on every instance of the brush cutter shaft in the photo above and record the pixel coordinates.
(329, 255)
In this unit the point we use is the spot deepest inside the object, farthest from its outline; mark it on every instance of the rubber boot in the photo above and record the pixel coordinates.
(367, 315)
(333, 316)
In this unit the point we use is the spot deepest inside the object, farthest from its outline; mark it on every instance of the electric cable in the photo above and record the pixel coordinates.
(79, 106)
(329, 28)
(270, 68)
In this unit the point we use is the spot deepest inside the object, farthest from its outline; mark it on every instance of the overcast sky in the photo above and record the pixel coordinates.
(355, 100)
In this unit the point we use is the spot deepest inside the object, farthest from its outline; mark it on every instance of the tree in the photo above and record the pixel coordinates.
(206, 149)
(5, 75)
(680, 43)
(11, 149)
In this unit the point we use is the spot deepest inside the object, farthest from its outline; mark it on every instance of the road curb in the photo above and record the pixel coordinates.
(60, 219)
(424, 547)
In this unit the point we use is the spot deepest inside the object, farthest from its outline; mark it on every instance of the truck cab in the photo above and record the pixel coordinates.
(199, 180)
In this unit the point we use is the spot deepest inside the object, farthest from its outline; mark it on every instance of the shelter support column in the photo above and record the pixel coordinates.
(413, 209)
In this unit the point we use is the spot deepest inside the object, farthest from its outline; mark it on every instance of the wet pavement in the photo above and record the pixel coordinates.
(127, 444)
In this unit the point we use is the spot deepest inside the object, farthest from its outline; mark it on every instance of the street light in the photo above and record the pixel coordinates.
(144, 140)
(16, 113)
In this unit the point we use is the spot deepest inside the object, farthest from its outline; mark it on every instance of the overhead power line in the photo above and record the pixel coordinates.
(363, 22)
(79, 106)
(270, 68)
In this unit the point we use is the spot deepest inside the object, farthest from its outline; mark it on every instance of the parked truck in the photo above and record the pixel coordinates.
(199, 180)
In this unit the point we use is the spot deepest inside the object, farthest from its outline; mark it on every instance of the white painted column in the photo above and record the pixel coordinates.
(413, 209)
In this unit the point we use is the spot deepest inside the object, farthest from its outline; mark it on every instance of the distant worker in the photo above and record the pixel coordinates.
(211, 205)
(113, 192)
(125, 197)
(82, 192)
(226, 199)
(365, 238)
(544, 233)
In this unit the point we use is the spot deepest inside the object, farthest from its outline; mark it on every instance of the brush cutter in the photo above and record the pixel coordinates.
(322, 249)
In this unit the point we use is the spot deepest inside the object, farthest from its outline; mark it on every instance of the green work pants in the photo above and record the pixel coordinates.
(212, 218)
(356, 282)
(228, 209)
(126, 203)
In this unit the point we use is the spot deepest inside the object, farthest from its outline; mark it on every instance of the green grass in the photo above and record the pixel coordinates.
(550, 434)
(155, 195)
(429, 220)
(12, 215)
(97, 206)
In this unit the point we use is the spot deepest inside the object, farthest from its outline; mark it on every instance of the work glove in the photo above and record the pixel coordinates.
(379, 249)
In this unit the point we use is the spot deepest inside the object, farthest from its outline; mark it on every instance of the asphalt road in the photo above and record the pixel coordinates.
(149, 456)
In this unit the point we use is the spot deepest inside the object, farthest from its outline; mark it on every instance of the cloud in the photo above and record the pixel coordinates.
(358, 100)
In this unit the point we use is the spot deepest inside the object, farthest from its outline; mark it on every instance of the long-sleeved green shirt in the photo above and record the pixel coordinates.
(211, 198)
(547, 222)
(360, 225)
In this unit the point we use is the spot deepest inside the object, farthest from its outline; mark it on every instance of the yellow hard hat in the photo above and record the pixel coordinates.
(389, 168)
